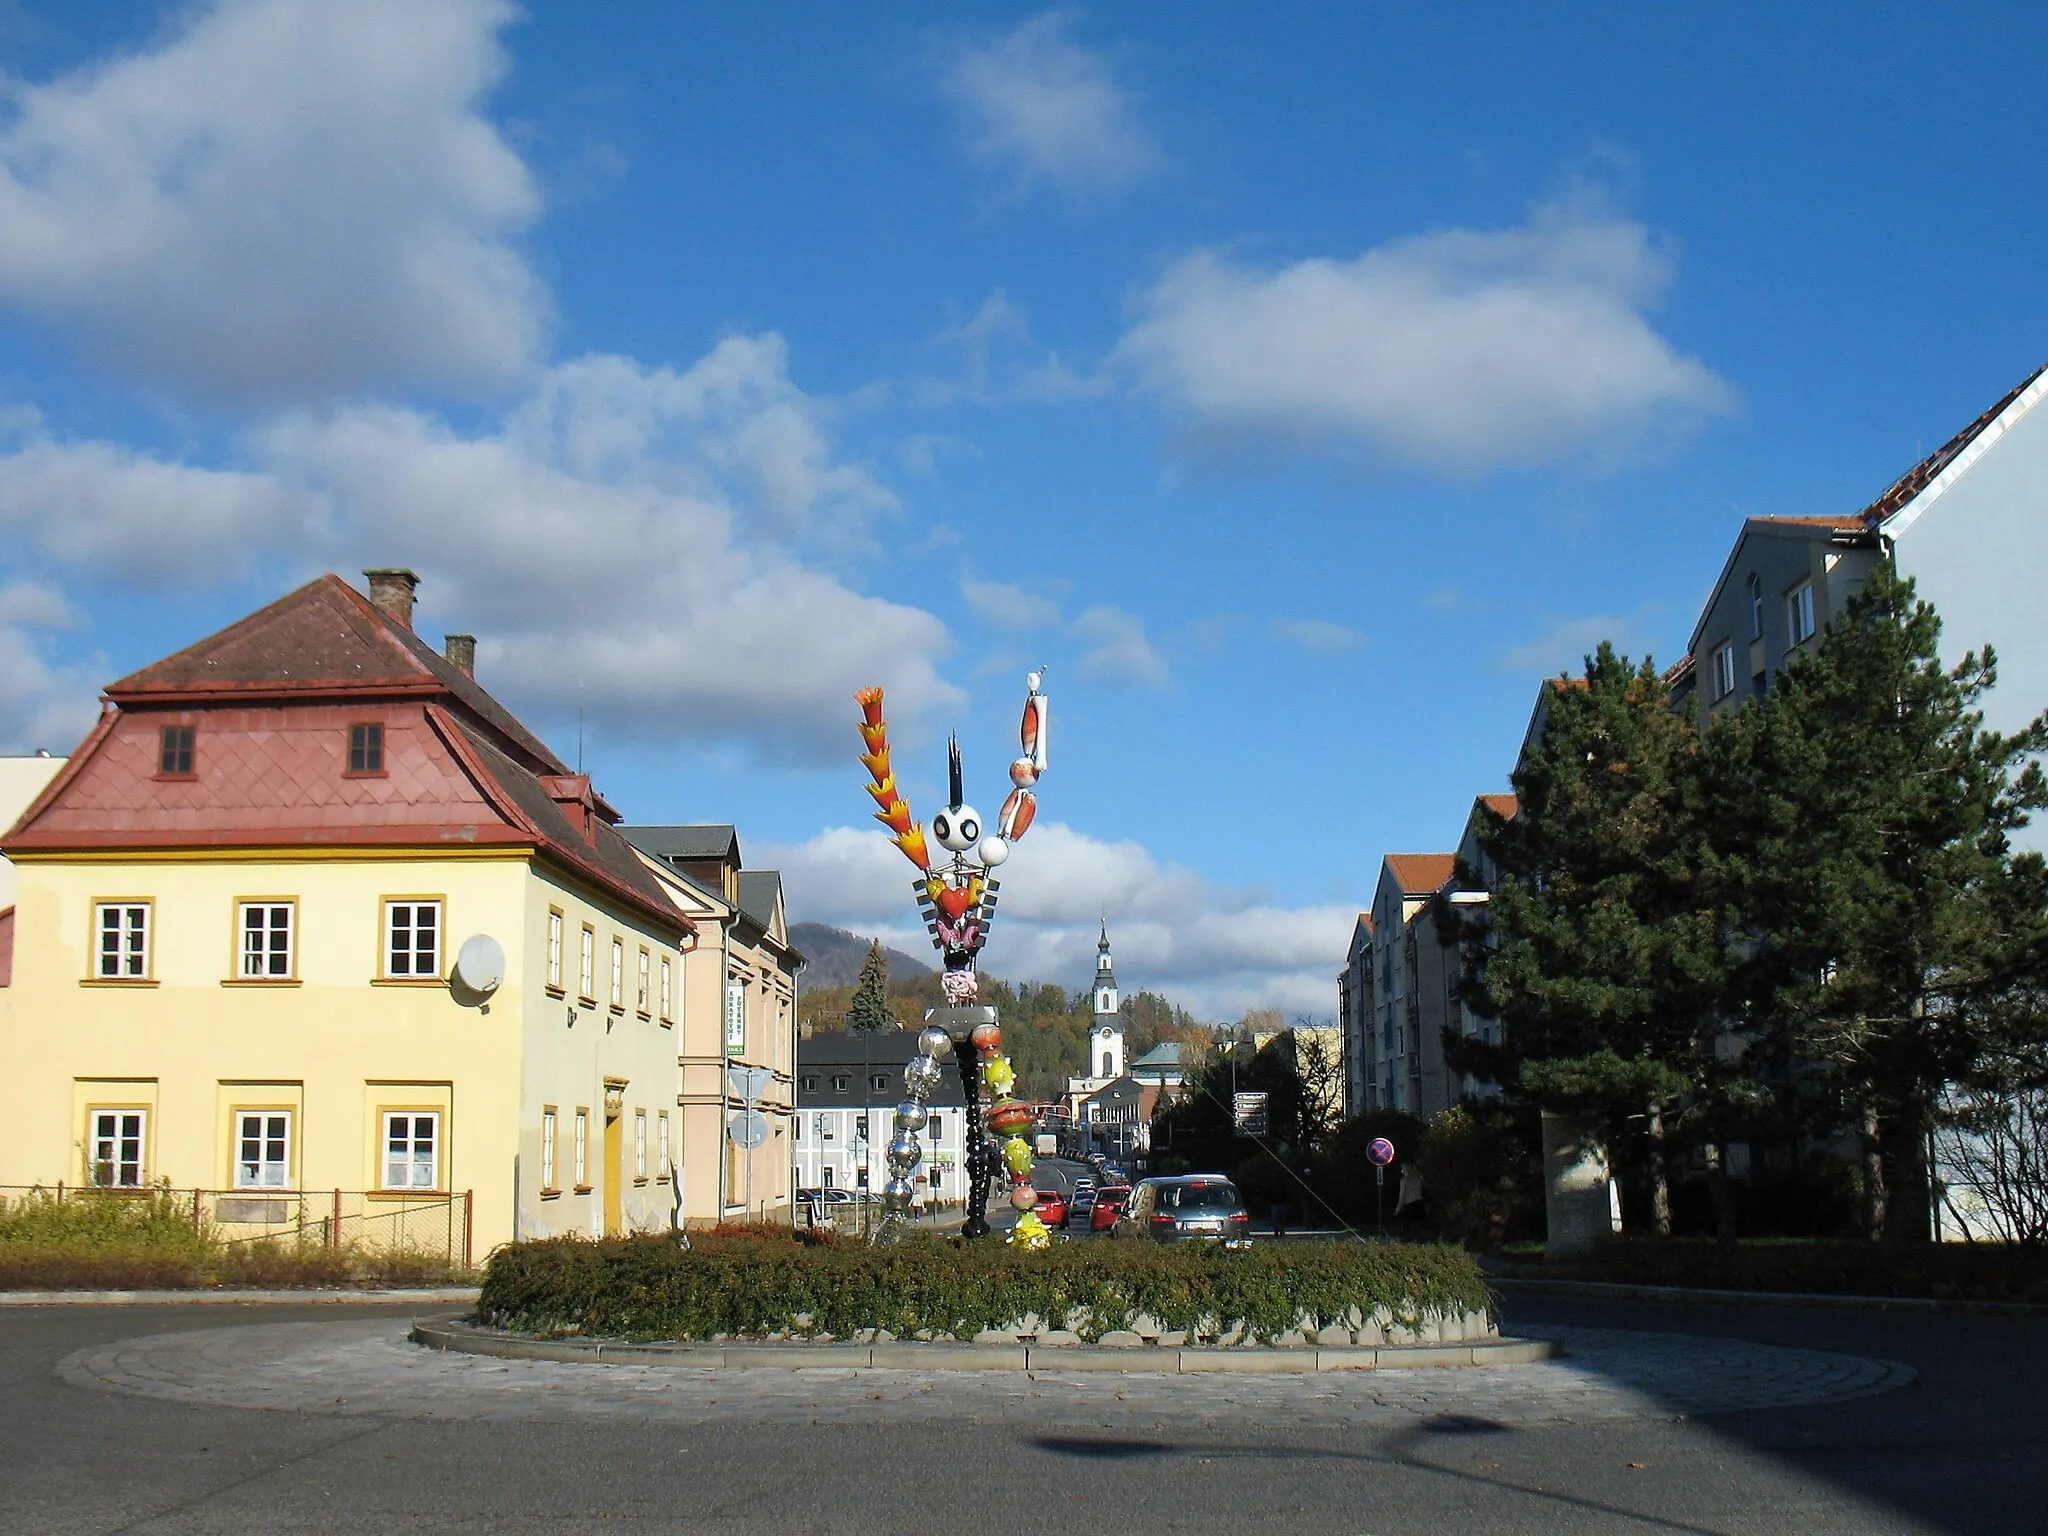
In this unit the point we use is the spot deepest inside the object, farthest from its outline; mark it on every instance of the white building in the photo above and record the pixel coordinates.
(1969, 524)
(847, 1089)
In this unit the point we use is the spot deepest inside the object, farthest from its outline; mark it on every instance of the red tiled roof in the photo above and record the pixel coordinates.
(271, 699)
(324, 638)
(1917, 479)
(1421, 872)
(1504, 806)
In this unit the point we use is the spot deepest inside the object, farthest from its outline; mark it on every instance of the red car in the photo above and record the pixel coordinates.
(1109, 1204)
(1052, 1208)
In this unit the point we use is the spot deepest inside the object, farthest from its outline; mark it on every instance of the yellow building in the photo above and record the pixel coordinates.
(311, 919)
(740, 1020)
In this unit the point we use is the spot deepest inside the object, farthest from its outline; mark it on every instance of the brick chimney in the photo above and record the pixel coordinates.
(392, 590)
(461, 653)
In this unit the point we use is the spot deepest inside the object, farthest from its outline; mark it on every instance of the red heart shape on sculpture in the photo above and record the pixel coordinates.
(953, 902)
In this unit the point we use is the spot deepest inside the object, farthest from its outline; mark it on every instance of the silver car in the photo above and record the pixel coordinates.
(1189, 1207)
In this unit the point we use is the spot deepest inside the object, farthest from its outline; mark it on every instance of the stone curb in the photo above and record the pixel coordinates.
(1155, 1360)
(1614, 1290)
(419, 1295)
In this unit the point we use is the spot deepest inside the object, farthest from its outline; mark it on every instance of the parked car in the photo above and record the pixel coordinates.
(1083, 1197)
(1189, 1207)
(1052, 1207)
(1110, 1201)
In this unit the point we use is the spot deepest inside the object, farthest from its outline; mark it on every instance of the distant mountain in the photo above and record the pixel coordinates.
(835, 957)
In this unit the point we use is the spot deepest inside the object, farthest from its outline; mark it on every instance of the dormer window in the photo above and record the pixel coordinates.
(366, 748)
(174, 751)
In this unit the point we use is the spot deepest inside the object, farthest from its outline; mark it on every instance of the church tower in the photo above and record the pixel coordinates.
(1106, 1035)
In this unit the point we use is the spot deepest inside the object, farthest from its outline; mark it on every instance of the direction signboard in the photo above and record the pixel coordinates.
(1248, 1113)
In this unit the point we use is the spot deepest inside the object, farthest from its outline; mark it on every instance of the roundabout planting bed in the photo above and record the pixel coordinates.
(775, 1286)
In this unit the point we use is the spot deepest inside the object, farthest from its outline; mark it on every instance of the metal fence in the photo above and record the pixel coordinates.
(427, 1224)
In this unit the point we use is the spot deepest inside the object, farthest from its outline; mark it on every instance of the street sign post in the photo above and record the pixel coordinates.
(1381, 1151)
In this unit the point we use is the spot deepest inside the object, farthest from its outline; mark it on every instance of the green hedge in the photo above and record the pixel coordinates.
(755, 1286)
(1944, 1271)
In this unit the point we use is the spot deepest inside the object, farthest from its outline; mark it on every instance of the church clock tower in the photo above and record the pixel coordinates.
(1106, 1035)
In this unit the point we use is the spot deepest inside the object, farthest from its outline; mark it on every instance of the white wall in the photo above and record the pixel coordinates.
(1979, 553)
(21, 780)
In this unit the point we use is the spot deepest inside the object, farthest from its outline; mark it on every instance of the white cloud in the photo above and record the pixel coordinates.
(1000, 360)
(284, 199)
(1321, 636)
(1214, 950)
(1564, 644)
(1049, 111)
(1008, 606)
(619, 532)
(128, 514)
(1118, 647)
(41, 705)
(1462, 350)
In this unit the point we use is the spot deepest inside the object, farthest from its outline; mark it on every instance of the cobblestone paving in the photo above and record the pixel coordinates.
(367, 1367)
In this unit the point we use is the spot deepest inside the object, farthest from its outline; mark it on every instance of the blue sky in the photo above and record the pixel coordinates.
(1299, 389)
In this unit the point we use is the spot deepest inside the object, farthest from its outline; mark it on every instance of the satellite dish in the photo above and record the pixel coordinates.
(480, 965)
(748, 1128)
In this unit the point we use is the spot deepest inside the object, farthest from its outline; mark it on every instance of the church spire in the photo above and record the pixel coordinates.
(1106, 1033)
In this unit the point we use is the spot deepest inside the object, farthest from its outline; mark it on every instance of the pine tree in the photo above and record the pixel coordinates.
(1600, 952)
(1863, 841)
(869, 1010)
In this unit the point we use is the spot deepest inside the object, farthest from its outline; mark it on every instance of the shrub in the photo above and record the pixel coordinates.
(756, 1286)
(1480, 1174)
(108, 1239)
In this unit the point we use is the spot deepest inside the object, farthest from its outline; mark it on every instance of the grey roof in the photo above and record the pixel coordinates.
(857, 1057)
(1118, 1090)
(758, 890)
(713, 840)
(1165, 1054)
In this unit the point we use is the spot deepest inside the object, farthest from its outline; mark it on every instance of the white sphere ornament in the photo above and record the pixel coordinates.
(911, 1116)
(896, 1194)
(933, 1041)
(992, 850)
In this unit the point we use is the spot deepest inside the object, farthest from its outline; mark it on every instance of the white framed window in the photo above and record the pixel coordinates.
(735, 1018)
(938, 1127)
(1756, 608)
(1724, 670)
(263, 1149)
(586, 965)
(639, 1143)
(1799, 625)
(668, 991)
(412, 1149)
(412, 939)
(643, 985)
(581, 1149)
(554, 949)
(266, 930)
(619, 974)
(118, 1142)
(123, 929)
(547, 1147)
(662, 1166)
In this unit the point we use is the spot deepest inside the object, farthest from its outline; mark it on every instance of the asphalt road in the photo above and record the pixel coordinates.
(1959, 1449)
